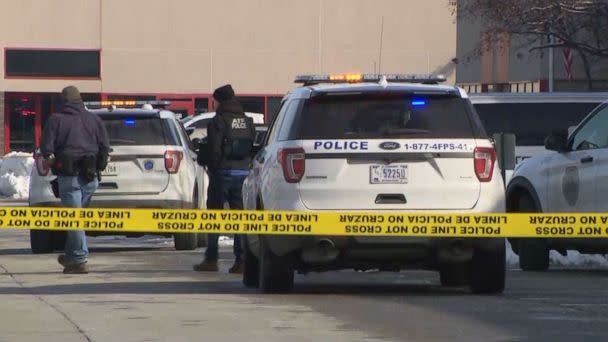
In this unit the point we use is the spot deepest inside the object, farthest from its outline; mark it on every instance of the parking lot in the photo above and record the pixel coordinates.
(144, 290)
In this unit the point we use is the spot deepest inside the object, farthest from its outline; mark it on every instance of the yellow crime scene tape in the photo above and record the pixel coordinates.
(332, 223)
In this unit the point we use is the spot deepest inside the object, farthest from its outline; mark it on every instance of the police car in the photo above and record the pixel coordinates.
(572, 178)
(152, 165)
(398, 143)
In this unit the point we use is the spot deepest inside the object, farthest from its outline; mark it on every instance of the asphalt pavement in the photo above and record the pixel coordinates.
(143, 290)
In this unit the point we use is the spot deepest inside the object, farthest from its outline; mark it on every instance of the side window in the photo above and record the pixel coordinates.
(289, 123)
(276, 124)
(186, 142)
(594, 133)
(171, 132)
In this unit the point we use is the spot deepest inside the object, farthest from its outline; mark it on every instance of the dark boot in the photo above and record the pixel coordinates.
(72, 268)
(206, 266)
(237, 268)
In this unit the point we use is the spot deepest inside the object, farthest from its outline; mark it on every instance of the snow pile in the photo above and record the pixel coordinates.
(226, 241)
(572, 259)
(15, 170)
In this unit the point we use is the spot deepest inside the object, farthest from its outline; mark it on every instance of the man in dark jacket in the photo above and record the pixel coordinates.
(230, 137)
(75, 143)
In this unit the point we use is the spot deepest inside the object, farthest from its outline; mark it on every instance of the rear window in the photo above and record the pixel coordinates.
(531, 122)
(132, 131)
(396, 116)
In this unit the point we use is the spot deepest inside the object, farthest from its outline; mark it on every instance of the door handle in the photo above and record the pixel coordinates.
(588, 159)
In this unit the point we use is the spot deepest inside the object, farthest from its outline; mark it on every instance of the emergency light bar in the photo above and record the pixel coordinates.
(359, 78)
(125, 103)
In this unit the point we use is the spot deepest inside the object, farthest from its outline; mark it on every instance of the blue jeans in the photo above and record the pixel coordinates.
(224, 187)
(76, 193)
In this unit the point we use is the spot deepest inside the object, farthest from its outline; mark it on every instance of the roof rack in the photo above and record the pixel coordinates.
(125, 104)
(307, 80)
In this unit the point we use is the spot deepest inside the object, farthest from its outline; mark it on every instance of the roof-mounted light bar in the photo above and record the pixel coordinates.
(125, 104)
(359, 78)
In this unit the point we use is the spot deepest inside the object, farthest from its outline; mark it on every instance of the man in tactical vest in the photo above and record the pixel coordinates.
(76, 147)
(230, 137)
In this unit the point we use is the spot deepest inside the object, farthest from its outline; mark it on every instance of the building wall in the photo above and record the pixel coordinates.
(192, 46)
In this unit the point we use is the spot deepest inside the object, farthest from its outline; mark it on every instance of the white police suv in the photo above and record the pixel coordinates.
(573, 178)
(369, 142)
(152, 165)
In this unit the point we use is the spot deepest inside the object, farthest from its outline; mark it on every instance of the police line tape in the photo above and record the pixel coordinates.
(332, 223)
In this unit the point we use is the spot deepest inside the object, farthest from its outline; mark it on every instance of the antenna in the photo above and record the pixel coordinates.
(381, 39)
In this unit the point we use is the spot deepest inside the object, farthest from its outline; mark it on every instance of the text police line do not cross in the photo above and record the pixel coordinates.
(336, 223)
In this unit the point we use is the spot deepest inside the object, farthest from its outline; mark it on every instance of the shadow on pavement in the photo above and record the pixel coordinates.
(234, 287)
(15, 251)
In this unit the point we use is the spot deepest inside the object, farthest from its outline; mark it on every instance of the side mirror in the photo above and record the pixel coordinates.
(557, 142)
(190, 130)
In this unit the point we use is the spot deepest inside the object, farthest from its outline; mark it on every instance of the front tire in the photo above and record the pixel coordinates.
(41, 241)
(185, 241)
(276, 272)
(251, 266)
(488, 269)
(533, 253)
(454, 274)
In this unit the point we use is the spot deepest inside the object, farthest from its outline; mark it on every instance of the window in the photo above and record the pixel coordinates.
(379, 116)
(201, 105)
(274, 103)
(594, 132)
(130, 131)
(252, 104)
(277, 122)
(531, 122)
(52, 63)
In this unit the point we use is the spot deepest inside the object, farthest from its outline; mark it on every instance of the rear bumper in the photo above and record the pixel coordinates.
(143, 203)
(425, 252)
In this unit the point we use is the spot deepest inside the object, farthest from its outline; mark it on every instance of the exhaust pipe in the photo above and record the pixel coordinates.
(325, 251)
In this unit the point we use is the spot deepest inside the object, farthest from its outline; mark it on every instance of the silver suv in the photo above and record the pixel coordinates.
(152, 165)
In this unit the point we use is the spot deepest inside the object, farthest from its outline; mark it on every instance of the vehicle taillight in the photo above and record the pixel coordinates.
(293, 162)
(485, 158)
(42, 166)
(172, 160)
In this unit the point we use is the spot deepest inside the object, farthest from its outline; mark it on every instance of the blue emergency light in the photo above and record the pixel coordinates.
(129, 122)
(418, 102)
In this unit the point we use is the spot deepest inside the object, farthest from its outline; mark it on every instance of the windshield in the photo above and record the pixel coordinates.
(125, 131)
(531, 122)
(400, 116)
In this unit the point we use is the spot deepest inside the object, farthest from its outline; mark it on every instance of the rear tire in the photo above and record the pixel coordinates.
(533, 253)
(41, 241)
(488, 270)
(251, 266)
(276, 272)
(59, 239)
(188, 241)
(185, 241)
(454, 274)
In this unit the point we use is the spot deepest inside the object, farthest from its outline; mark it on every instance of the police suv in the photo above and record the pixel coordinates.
(395, 143)
(152, 165)
(572, 178)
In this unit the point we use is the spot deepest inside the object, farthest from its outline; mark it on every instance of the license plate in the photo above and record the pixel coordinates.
(388, 174)
(111, 170)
